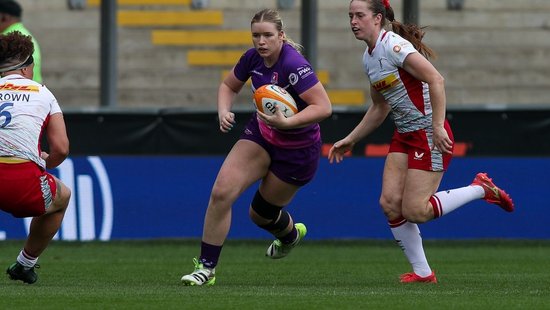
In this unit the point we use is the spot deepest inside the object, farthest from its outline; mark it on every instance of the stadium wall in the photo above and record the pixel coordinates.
(143, 179)
(180, 132)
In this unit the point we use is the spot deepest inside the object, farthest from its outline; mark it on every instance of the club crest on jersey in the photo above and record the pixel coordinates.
(275, 78)
(397, 48)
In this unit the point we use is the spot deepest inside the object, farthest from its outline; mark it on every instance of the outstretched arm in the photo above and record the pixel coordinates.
(375, 116)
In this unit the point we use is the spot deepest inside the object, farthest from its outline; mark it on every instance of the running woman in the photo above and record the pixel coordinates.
(405, 85)
(282, 153)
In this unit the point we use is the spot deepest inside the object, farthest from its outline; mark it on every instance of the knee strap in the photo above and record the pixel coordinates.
(279, 218)
(264, 208)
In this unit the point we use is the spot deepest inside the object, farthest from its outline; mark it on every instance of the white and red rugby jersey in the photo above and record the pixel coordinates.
(408, 97)
(25, 108)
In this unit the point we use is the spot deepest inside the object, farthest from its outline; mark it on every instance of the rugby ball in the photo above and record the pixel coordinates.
(268, 96)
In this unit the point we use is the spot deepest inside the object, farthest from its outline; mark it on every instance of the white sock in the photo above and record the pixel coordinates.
(26, 260)
(445, 202)
(408, 237)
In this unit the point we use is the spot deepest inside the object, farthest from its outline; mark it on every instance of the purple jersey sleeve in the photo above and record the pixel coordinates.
(298, 71)
(242, 69)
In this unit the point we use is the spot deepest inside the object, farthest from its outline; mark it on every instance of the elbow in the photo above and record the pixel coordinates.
(63, 149)
(327, 111)
(439, 80)
(64, 153)
(60, 152)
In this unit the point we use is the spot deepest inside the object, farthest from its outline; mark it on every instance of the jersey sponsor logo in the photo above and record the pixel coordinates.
(13, 87)
(293, 78)
(89, 215)
(304, 72)
(386, 83)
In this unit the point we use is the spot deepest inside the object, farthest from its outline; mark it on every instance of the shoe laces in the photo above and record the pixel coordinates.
(199, 267)
(198, 264)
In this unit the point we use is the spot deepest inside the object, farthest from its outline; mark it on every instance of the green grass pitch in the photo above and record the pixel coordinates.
(488, 274)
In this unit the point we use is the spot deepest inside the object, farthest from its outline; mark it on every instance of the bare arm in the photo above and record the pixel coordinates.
(375, 116)
(319, 108)
(227, 91)
(56, 134)
(423, 70)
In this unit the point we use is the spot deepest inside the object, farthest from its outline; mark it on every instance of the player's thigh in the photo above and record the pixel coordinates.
(420, 185)
(276, 191)
(246, 163)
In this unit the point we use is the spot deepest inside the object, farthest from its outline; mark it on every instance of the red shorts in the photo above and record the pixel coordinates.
(418, 145)
(26, 189)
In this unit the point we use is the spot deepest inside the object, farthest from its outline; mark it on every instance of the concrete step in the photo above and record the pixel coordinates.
(488, 59)
(498, 96)
(96, 3)
(497, 77)
(145, 18)
(495, 39)
(485, 19)
(201, 37)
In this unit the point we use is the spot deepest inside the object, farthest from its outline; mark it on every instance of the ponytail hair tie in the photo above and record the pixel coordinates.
(386, 3)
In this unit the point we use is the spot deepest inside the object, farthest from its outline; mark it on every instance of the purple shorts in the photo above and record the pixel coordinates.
(293, 166)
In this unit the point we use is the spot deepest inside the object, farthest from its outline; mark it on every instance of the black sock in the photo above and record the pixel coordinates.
(210, 254)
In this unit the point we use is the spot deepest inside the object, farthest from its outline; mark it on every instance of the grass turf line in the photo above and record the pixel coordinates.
(487, 274)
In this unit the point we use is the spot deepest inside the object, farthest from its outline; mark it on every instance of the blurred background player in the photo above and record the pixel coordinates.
(28, 108)
(407, 86)
(11, 20)
(281, 152)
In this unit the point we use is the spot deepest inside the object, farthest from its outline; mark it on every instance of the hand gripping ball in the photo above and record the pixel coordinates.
(268, 96)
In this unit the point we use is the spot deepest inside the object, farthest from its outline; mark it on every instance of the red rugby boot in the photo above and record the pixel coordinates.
(493, 194)
(411, 277)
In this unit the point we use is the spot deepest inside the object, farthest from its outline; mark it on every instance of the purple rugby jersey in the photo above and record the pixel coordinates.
(292, 72)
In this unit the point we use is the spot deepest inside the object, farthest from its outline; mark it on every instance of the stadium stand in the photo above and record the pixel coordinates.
(492, 52)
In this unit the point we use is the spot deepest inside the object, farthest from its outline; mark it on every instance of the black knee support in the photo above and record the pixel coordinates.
(279, 218)
(264, 208)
